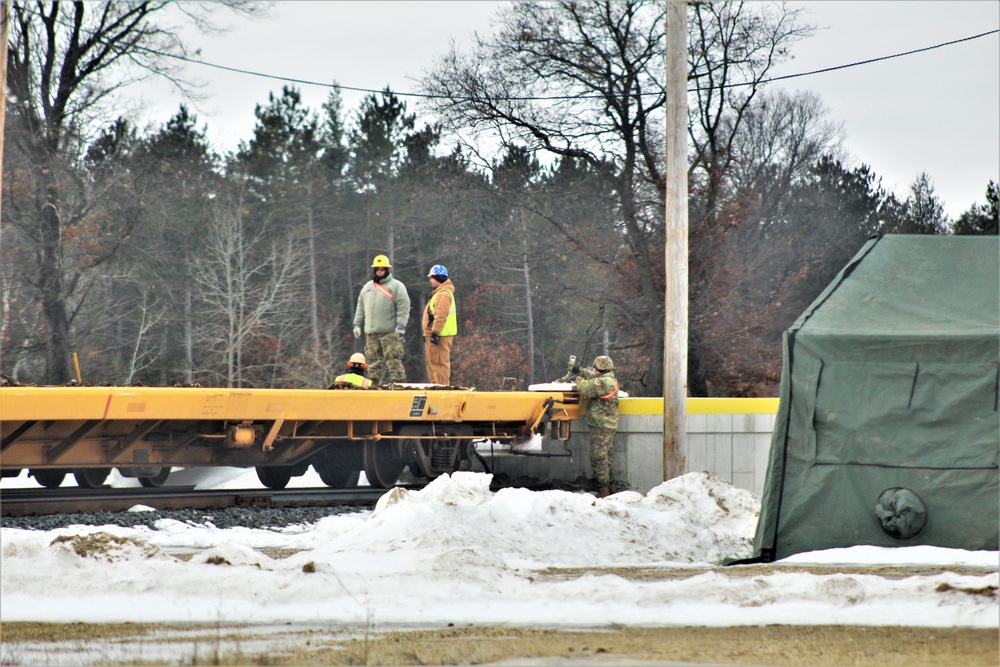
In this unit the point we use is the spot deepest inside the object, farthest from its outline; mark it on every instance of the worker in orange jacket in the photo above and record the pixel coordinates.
(440, 326)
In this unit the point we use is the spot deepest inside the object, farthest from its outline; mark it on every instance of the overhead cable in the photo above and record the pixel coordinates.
(562, 97)
(337, 86)
(866, 62)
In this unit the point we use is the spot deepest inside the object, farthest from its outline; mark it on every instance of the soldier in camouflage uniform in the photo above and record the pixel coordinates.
(600, 387)
(382, 312)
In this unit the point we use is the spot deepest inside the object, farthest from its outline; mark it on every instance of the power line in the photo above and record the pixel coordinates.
(336, 86)
(561, 97)
(870, 60)
(286, 79)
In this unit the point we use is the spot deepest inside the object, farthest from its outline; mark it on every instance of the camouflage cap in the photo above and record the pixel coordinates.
(604, 363)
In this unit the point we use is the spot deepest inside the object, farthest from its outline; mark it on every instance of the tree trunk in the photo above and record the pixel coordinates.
(697, 377)
(52, 287)
(163, 355)
(313, 300)
(529, 315)
(651, 295)
(188, 339)
(654, 384)
(349, 295)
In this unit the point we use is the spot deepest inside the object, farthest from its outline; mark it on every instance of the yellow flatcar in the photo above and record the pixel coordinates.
(144, 431)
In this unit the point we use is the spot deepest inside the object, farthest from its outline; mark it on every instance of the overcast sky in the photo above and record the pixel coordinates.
(937, 111)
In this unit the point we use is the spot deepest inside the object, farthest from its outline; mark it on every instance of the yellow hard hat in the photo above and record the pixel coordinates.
(381, 262)
(358, 358)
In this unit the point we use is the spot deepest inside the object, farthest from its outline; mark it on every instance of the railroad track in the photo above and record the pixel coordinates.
(38, 502)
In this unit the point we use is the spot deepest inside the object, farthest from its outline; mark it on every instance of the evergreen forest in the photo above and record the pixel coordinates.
(146, 258)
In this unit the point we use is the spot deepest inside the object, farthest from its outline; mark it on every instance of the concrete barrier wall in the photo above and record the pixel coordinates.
(729, 438)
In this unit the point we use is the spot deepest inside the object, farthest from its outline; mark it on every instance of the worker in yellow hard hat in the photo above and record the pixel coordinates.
(382, 313)
(355, 375)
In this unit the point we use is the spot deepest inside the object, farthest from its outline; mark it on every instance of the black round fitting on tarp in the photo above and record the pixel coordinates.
(901, 512)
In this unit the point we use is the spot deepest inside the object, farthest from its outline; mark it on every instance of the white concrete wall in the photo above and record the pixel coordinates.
(730, 445)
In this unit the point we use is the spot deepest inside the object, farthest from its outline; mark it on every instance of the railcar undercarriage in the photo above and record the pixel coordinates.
(143, 432)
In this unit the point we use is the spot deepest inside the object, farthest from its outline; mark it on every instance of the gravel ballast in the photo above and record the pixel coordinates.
(263, 518)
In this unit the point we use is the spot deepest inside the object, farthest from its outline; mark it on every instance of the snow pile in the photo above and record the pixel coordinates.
(455, 552)
(692, 519)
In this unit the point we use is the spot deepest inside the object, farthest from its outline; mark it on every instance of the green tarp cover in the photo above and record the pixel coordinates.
(888, 428)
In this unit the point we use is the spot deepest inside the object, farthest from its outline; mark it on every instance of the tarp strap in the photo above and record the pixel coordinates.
(913, 387)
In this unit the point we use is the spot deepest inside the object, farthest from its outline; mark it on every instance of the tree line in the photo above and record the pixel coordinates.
(539, 184)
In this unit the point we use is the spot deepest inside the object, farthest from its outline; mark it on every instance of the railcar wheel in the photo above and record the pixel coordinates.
(50, 479)
(339, 478)
(339, 464)
(382, 465)
(413, 453)
(155, 481)
(91, 478)
(274, 477)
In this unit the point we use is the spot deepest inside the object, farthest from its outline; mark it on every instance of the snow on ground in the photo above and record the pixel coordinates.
(456, 552)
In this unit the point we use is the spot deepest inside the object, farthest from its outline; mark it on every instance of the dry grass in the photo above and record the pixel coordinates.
(804, 646)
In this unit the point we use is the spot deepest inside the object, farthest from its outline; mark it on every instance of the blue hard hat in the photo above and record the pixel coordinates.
(439, 271)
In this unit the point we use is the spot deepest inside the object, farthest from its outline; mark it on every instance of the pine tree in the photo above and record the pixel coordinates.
(924, 210)
(982, 219)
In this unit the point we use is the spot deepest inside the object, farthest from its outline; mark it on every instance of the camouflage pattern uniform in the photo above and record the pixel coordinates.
(383, 310)
(385, 350)
(601, 391)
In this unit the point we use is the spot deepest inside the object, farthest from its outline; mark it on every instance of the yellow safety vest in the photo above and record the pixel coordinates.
(353, 379)
(451, 323)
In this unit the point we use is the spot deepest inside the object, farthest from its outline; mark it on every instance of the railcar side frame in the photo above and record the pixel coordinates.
(145, 430)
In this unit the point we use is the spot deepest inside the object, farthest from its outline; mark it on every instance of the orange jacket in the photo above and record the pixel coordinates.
(445, 294)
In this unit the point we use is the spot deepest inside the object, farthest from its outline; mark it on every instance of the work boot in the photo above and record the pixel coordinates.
(612, 488)
(602, 492)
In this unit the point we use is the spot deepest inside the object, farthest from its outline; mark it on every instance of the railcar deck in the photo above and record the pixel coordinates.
(149, 428)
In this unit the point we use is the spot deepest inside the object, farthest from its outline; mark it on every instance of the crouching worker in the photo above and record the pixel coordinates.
(355, 376)
(600, 387)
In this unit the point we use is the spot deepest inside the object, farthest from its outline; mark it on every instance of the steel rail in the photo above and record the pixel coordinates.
(39, 502)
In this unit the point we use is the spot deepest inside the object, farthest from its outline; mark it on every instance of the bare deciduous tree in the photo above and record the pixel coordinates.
(581, 80)
(247, 290)
(144, 353)
(732, 48)
(784, 135)
(66, 62)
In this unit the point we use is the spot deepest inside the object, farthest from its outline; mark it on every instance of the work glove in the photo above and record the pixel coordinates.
(400, 330)
(357, 332)
(571, 375)
(434, 338)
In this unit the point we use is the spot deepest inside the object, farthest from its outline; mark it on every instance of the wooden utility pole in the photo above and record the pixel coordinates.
(675, 321)
(4, 28)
